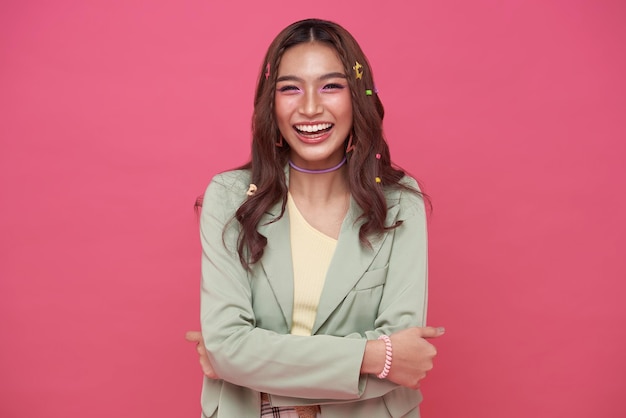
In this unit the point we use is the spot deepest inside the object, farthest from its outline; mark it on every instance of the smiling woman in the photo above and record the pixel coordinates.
(314, 266)
(313, 105)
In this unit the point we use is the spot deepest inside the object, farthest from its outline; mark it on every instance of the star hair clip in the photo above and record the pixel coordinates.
(358, 70)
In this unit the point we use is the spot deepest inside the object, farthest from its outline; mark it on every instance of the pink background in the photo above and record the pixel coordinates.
(114, 115)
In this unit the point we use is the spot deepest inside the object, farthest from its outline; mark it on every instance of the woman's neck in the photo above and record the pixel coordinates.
(319, 188)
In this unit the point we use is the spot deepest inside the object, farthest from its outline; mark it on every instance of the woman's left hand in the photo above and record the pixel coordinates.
(205, 363)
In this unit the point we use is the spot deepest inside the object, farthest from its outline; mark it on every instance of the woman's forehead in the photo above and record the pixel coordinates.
(312, 58)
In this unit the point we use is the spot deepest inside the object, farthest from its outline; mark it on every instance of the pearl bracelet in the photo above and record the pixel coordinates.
(388, 356)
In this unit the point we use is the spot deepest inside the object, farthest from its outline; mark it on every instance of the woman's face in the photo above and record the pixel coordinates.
(313, 105)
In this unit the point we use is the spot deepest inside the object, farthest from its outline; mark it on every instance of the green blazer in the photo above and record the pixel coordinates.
(246, 316)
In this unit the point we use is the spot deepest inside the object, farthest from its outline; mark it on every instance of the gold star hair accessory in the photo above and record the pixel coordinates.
(358, 70)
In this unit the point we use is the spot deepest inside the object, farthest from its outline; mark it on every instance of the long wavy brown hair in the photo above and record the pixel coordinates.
(267, 165)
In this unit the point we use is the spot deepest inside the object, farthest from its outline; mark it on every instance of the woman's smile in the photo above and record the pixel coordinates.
(313, 133)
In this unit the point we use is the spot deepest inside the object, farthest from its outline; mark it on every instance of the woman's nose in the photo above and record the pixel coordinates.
(311, 104)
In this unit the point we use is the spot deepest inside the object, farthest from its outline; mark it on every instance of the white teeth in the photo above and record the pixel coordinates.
(313, 128)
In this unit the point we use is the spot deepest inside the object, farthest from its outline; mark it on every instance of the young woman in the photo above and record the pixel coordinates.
(314, 253)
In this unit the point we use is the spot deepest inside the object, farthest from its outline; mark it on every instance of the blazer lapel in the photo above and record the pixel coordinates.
(276, 260)
(350, 261)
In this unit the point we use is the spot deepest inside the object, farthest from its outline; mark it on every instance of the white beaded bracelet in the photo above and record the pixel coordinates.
(388, 356)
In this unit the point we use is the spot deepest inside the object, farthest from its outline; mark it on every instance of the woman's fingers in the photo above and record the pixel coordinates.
(205, 363)
(193, 336)
(431, 332)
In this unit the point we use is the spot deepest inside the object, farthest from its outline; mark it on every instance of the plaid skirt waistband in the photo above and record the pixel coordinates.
(269, 411)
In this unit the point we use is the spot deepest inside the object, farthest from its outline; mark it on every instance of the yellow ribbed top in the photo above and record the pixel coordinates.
(311, 252)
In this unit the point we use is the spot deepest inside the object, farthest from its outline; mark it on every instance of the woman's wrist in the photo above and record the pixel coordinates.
(388, 357)
(373, 357)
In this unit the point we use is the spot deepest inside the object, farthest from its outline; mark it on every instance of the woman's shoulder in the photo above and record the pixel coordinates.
(228, 189)
(410, 182)
(233, 180)
(406, 196)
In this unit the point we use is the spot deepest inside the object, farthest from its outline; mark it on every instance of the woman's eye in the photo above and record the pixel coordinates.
(333, 86)
(288, 89)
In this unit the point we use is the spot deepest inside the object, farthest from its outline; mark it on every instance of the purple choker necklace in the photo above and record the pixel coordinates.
(325, 170)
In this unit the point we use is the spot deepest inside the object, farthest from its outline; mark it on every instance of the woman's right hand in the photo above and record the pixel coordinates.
(412, 355)
(205, 363)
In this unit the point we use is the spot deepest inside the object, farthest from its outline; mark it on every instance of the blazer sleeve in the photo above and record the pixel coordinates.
(319, 366)
(405, 295)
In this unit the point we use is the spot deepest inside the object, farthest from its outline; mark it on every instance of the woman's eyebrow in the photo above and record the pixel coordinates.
(322, 77)
(332, 75)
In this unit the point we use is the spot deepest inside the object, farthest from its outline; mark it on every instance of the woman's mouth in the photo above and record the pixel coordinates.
(313, 130)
